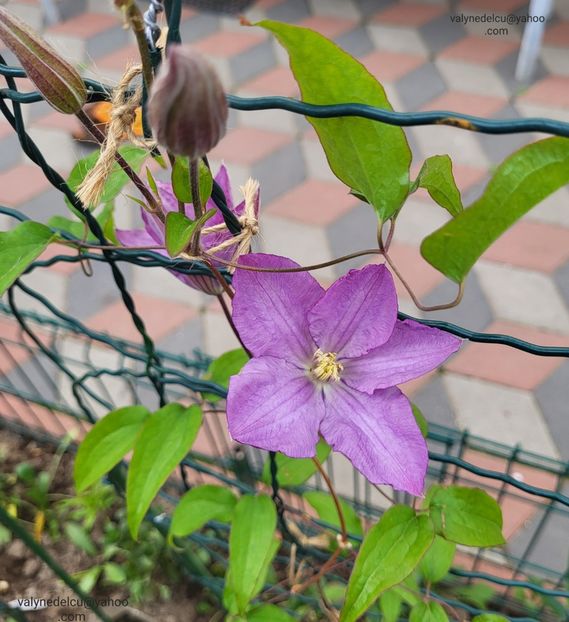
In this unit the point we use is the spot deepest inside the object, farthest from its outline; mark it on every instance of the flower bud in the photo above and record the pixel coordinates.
(187, 107)
(58, 82)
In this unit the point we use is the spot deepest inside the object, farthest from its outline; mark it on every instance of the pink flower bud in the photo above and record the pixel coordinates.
(187, 107)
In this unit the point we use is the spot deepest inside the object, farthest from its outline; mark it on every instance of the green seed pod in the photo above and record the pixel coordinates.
(58, 82)
(187, 107)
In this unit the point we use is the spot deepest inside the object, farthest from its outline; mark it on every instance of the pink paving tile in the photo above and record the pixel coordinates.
(12, 353)
(21, 183)
(504, 365)
(328, 26)
(160, 318)
(409, 14)
(480, 50)
(314, 202)
(557, 35)
(86, 25)
(467, 103)
(276, 81)
(249, 145)
(551, 91)
(61, 267)
(412, 386)
(57, 121)
(497, 6)
(533, 245)
(118, 61)
(226, 44)
(390, 66)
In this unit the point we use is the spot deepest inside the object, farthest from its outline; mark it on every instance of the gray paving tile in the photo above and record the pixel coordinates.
(434, 403)
(352, 232)
(473, 312)
(420, 86)
(71, 8)
(184, 339)
(289, 11)
(551, 549)
(34, 380)
(370, 7)
(10, 152)
(440, 33)
(107, 42)
(88, 295)
(506, 69)
(561, 279)
(198, 27)
(552, 398)
(47, 204)
(254, 61)
(356, 42)
(280, 171)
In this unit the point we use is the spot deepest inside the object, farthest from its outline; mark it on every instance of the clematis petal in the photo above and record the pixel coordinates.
(412, 350)
(272, 405)
(356, 314)
(134, 237)
(153, 226)
(379, 436)
(269, 309)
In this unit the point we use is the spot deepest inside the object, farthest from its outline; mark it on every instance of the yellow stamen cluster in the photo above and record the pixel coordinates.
(326, 368)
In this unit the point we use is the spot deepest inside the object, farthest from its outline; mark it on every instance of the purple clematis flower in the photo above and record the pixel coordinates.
(328, 362)
(153, 233)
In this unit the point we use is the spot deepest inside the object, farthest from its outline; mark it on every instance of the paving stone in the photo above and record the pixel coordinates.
(289, 11)
(356, 42)
(420, 86)
(440, 33)
(434, 404)
(552, 398)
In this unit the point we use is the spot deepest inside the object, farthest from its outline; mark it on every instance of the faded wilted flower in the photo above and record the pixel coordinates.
(187, 107)
(59, 83)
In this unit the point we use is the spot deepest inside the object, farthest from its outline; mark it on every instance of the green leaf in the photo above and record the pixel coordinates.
(77, 228)
(252, 546)
(166, 437)
(390, 605)
(88, 579)
(420, 420)
(437, 179)
(437, 560)
(522, 181)
(325, 507)
(80, 538)
(477, 594)
(19, 247)
(117, 180)
(181, 181)
(466, 516)
(293, 472)
(390, 552)
(223, 367)
(428, 612)
(200, 505)
(106, 444)
(179, 231)
(268, 613)
(114, 573)
(370, 158)
(489, 617)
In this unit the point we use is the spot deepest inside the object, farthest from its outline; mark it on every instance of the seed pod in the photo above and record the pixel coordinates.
(187, 107)
(59, 83)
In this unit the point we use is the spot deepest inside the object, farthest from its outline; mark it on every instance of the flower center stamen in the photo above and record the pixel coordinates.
(326, 368)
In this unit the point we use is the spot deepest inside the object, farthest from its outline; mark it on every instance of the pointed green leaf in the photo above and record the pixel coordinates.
(438, 180)
(466, 516)
(223, 367)
(522, 181)
(179, 231)
(268, 613)
(166, 437)
(117, 180)
(252, 546)
(390, 551)
(325, 507)
(200, 505)
(181, 181)
(293, 472)
(490, 617)
(437, 560)
(371, 158)
(421, 421)
(106, 444)
(19, 247)
(390, 605)
(80, 538)
(428, 612)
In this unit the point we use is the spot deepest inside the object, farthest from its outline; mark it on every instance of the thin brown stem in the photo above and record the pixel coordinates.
(416, 301)
(227, 314)
(328, 481)
(217, 274)
(136, 21)
(141, 186)
(384, 494)
(108, 247)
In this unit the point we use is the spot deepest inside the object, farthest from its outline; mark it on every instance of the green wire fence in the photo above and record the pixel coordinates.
(55, 384)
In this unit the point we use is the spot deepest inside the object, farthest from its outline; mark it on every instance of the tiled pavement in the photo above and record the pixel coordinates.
(425, 62)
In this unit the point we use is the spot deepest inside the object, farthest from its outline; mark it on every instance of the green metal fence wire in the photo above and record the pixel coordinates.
(152, 377)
